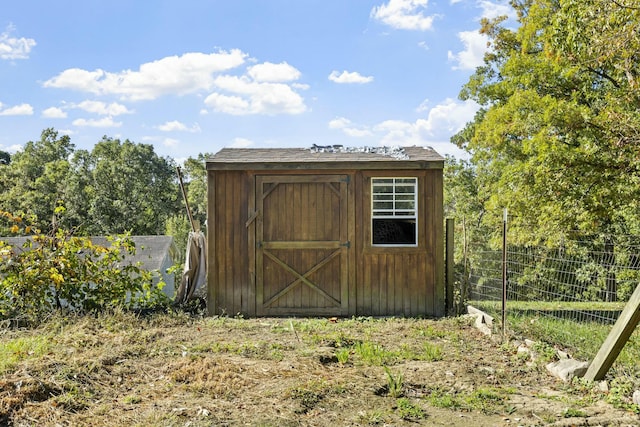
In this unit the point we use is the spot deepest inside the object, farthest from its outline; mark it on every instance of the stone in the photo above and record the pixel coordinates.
(566, 369)
(636, 397)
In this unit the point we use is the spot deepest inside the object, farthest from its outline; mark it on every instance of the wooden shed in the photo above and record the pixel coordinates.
(326, 231)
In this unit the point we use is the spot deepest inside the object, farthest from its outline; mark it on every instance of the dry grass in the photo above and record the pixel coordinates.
(179, 370)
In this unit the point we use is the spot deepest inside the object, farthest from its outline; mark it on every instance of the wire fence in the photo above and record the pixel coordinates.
(581, 280)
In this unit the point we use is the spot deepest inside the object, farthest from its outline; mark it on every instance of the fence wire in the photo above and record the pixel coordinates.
(581, 281)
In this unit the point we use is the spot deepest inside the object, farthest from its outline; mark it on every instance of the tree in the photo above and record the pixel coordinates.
(556, 139)
(122, 187)
(35, 179)
(5, 158)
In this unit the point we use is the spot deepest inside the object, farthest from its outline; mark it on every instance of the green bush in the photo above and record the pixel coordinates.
(60, 271)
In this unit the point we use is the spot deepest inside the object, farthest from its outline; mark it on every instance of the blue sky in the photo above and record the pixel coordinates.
(194, 76)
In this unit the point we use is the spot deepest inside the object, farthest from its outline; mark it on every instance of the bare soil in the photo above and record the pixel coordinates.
(180, 370)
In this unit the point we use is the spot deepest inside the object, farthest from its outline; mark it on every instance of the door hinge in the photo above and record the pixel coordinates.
(346, 179)
(259, 245)
(346, 244)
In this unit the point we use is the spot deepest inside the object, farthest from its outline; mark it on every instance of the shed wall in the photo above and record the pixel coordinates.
(382, 280)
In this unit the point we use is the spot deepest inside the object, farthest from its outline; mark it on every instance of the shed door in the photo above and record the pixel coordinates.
(301, 245)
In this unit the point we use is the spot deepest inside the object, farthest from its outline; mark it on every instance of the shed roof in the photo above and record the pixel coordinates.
(330, 157)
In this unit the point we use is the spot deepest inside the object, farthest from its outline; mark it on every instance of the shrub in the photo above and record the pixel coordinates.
(58, 270)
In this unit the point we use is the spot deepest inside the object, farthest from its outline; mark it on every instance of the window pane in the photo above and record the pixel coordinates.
(394, 231)
(405, 205)
(382, 205)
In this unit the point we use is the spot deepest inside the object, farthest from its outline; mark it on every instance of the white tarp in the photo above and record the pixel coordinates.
(194, 275)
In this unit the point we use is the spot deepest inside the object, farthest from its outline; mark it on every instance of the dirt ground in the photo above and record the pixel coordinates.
(179, 370)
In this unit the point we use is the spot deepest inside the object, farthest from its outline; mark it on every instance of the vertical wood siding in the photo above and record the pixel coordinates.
(381, 281)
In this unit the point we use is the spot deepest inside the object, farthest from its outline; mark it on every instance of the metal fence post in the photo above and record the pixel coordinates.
(504, 273)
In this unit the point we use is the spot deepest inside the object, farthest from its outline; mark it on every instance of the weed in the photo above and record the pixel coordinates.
(487, 400)
(342, 354)
(409, 411)
(574, 413)
(442, 399)
(374, 354)
(371, 418)
(432, 352)
(132, 399)
(394, 383)
(14, 351)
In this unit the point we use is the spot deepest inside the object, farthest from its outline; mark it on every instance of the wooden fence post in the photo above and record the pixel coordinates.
(449, 276)
(616, 339)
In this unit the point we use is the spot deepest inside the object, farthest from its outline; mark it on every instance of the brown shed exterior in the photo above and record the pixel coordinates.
(290, 233)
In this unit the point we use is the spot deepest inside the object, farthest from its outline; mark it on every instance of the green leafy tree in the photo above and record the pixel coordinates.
(34, 181)
(556, 139)
(122, 187)
(5, 158)
(195, 177)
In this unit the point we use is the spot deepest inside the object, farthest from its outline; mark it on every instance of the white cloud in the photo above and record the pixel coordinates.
(349, 77)
(475, 46)
(241, 143)
(14, 48)
(263, 89)
(17, 110)
(493, 9)
(179, 75)
(441, 123)
(268, 72)
(250, 97)
(170, 142)
(176, 126)
(11, 149)
(105, 122)
(424, 106)
(404, 14)
(348, 128)
(54, 113)
(102, 108)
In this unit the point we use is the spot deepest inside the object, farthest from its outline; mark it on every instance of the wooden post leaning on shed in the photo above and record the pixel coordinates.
(449, 279)
(616, 339)
(184, 196)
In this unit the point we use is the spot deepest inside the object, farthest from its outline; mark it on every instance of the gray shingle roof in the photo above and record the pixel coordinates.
(298, 158)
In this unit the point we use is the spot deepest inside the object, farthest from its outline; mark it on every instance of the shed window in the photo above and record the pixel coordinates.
(394, 211)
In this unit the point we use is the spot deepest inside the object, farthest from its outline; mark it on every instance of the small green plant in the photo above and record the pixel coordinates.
(432, 352)
(372, 418)
(132, 399)
(374, 354)
(574, 413)
(409, 411)
(443, 399)
(394, 383)
(487, 400)
(342, 354)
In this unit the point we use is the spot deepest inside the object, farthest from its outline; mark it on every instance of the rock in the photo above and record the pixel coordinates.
(483, 322)
(636, 397)
(603, 386)
(566, 369)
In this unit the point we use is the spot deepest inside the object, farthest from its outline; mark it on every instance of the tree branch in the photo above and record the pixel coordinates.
(604, 75)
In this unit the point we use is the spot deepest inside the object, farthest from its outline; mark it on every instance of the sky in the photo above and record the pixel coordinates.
(193, 76)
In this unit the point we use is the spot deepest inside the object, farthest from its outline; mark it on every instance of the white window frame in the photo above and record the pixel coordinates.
(394, 202)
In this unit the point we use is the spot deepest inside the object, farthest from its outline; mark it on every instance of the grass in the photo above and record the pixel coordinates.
(21, 349)
(172, 369)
